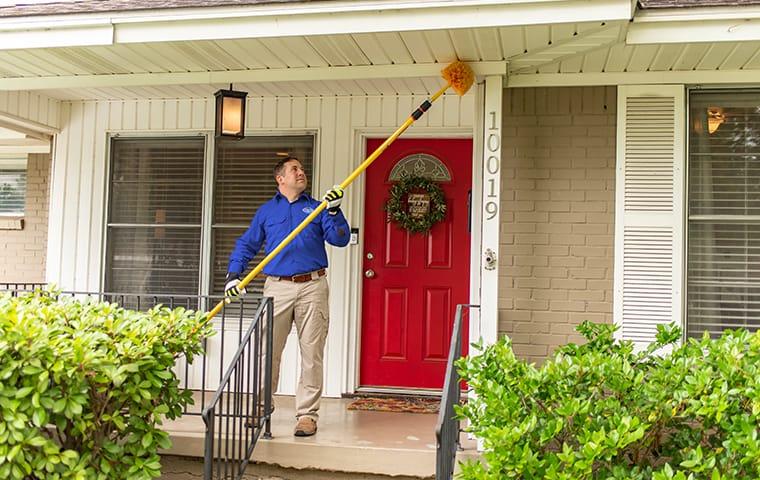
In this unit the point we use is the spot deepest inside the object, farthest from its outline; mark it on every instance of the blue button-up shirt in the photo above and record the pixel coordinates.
(274, 221)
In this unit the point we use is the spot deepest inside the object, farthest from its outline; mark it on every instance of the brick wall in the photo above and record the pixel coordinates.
(22, 252)
(558, 214)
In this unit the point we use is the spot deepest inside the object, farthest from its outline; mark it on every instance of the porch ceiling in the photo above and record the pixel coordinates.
(608, 50)
(620, 57)
(346, 64)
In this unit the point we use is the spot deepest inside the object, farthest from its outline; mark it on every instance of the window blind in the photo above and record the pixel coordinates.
(154, 215)
(243, 181)
(12, 186)
(723, 269)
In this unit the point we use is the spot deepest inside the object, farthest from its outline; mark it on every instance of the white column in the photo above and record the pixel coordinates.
(490, 208)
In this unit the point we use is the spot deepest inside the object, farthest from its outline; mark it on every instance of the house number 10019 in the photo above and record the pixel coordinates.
(493, 145)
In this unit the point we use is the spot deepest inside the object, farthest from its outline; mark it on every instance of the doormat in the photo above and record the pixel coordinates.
(397, 404)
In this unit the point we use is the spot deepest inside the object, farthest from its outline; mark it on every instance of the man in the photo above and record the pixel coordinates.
(296, 278)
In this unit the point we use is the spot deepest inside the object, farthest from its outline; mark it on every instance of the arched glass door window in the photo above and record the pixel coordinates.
(420, 165)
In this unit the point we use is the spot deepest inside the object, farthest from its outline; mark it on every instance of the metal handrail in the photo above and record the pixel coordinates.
(237, 415)
(20, 287)
(447, 428)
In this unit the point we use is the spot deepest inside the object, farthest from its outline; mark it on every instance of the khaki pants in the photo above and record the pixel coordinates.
(305, 304)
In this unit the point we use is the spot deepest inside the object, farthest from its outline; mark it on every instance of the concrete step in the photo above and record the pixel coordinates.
(353, 442)
(188, 468)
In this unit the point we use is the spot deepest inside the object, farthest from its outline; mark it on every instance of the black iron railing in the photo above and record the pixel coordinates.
(241, 408)
(447, 429)
(204, 373)
(18, 287)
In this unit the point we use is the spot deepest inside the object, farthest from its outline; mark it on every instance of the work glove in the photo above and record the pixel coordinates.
(231, 289)
(333, 197)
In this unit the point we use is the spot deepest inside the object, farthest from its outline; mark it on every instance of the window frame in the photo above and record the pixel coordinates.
(714, 218)
(212, 225)
(207, 208)
(104, 263)
(17, 163)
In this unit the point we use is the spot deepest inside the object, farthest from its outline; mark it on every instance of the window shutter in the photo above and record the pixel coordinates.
(649, 223)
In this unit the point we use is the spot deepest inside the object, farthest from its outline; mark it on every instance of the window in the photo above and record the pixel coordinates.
(243, 181)
(154, 216)
(12, 186)
(155, 220)
(723, 259)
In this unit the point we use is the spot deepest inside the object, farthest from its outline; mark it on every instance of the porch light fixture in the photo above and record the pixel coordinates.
(715, 119)
(230, 113)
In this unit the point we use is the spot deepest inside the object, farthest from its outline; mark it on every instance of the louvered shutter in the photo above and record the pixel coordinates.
(243, 181)
(154, 216)
(649, 222)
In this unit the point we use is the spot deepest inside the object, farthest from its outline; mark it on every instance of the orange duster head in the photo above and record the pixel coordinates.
(460, 76)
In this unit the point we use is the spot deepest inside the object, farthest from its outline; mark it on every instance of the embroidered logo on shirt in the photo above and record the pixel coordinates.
(307, 210)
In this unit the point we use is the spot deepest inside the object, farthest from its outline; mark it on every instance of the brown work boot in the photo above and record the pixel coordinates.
(305, 427)
(258, 419)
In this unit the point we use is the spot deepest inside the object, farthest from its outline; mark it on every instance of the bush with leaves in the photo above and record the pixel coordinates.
(85, 385)
(602, 411)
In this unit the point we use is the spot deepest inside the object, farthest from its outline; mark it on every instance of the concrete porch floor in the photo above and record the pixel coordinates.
(361, 442)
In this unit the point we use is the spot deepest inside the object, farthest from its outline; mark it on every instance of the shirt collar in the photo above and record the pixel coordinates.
(302, 196)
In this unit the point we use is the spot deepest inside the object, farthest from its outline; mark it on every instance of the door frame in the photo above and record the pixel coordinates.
(353, 300)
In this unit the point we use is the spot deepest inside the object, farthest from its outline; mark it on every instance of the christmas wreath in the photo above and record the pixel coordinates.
(416, 204)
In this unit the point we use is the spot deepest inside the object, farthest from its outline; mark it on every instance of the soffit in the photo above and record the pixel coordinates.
(523, 48)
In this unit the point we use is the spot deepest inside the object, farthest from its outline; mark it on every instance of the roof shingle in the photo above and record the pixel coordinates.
(21, 9)
(695, 3)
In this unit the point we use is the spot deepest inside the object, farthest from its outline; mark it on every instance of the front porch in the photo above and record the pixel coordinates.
(371, 445)
(349, 441)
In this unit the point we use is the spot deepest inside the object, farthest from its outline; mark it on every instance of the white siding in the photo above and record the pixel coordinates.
(31, 106)
(75, 249)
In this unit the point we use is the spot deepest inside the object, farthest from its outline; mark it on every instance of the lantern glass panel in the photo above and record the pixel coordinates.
(231, 116)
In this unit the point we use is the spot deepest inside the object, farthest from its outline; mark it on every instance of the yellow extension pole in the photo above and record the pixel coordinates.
(348, 181)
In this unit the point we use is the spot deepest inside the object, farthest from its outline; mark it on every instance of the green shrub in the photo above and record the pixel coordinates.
(601, 411)
(85, 385)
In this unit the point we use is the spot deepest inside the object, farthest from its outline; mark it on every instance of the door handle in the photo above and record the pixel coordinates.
(469, 210)
(369, 273)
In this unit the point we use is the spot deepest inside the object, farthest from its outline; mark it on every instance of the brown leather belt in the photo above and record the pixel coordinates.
(304, 277)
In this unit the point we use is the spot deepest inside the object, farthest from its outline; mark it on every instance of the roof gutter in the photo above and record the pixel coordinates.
(695, 25)
(299, 19)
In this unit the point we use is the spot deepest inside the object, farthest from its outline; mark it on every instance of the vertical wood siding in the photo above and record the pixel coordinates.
(31, 106)
(76, 244)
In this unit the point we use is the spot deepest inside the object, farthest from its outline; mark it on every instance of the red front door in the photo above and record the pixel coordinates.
(413, 282)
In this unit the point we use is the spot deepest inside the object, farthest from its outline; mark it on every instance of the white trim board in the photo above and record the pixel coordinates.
(490, 214)
(476, 218)
(24, 125)
(24, 145)
(358, 72)
(692, 77)
(703, 31)
(292, 20)
(695, 14)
